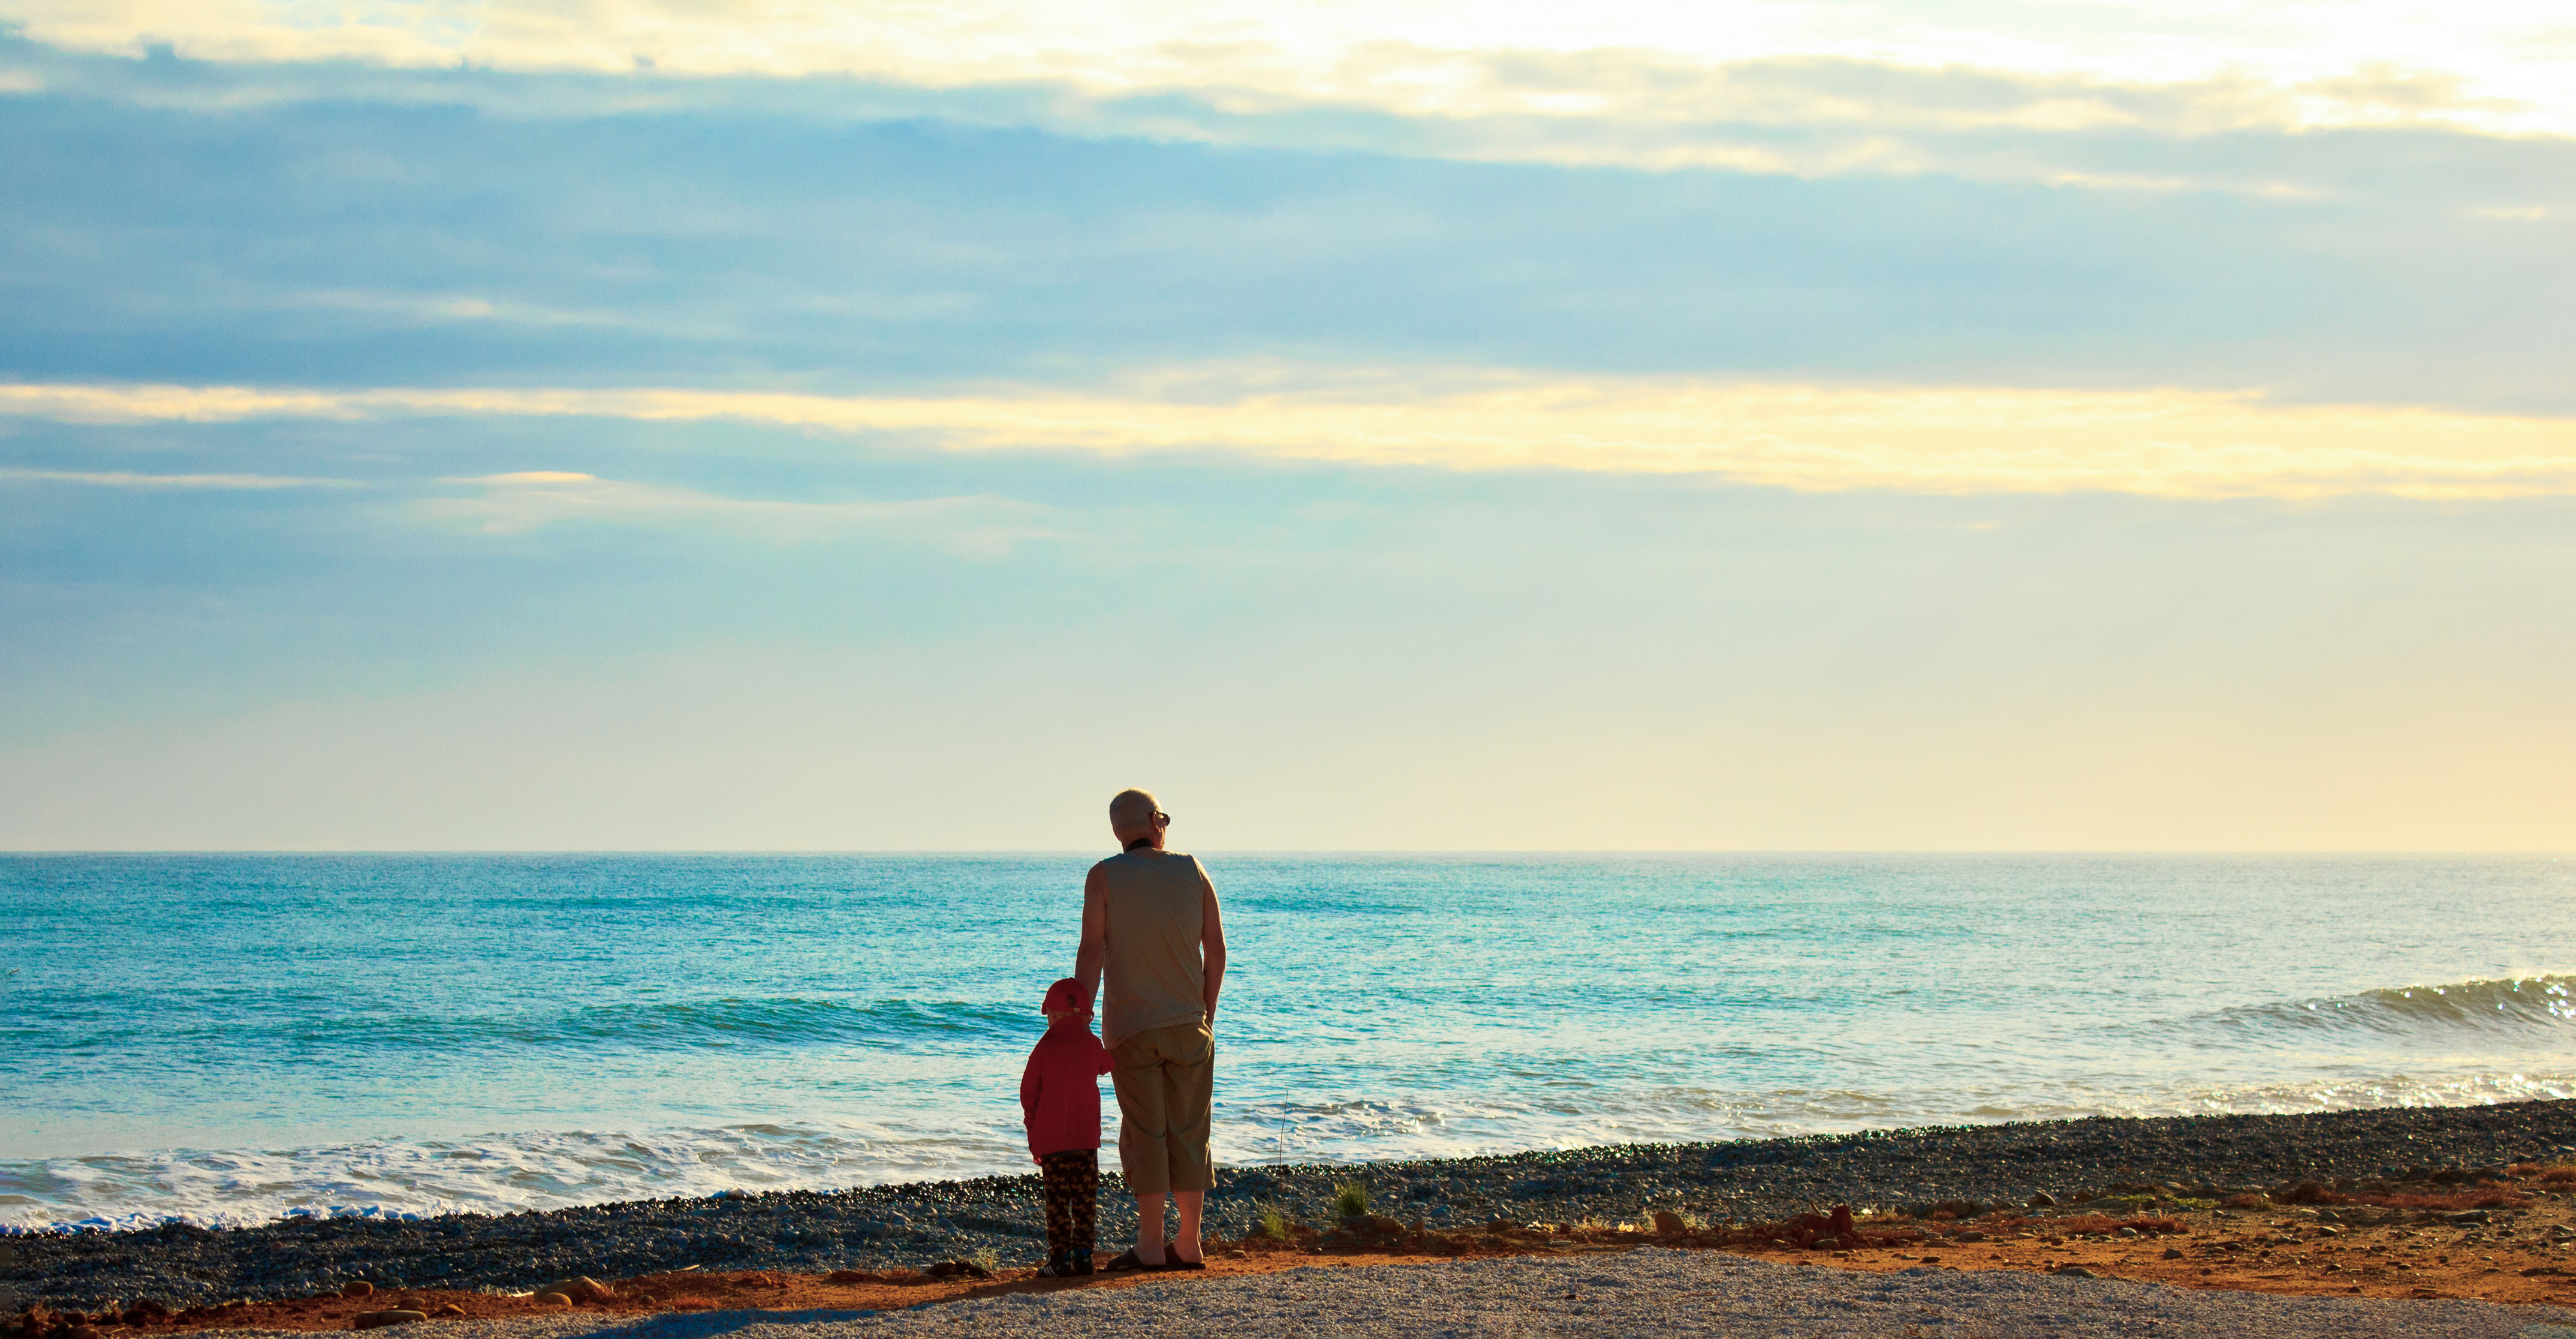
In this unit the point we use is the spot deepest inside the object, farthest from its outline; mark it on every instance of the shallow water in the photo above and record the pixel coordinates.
(229, 1038)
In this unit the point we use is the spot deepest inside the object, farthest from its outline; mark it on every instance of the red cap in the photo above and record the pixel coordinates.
(1063, 995)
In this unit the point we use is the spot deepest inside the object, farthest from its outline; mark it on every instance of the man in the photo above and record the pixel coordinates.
(1150, 927)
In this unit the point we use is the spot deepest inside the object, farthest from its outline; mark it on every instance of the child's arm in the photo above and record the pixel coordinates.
(1031, 1087)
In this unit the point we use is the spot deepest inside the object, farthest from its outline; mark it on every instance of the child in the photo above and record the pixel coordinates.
(1060, 1098)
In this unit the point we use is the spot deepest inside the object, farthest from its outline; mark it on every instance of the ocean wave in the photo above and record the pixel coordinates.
(2537, 1008)
(780, 1022)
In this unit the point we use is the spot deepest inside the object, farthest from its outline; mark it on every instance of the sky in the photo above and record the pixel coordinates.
(1909, 425)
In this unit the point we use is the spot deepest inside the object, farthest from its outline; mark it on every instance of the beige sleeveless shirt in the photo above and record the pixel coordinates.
(1154, 906)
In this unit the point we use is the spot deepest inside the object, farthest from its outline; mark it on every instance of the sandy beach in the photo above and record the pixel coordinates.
(1648, 1290)
(2473, 1204)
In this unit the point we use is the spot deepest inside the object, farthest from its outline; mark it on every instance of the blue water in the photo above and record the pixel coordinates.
(231, 1038)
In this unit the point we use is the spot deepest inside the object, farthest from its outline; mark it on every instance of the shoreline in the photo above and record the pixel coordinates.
(2138, 1161)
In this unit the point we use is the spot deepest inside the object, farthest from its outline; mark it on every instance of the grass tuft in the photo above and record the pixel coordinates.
(1274, 1224)
(988, 1258)
(1350, 1198)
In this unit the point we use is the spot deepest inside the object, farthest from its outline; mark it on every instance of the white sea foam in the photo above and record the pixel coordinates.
(508, 1173)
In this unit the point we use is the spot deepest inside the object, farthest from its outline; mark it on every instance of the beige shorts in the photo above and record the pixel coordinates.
(1166, 1081)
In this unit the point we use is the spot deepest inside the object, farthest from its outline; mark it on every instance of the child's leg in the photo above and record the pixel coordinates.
(1059, 1170)
(1085, 1206)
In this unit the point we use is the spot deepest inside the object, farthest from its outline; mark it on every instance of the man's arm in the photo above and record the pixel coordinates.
(1094, 953)
(1211, 945)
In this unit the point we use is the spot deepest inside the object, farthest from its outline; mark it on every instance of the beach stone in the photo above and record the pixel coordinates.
(2043, 1200)
(551, 1298)
(377, 1320)
(357, 1288)
(848, 1276)
(1669, 1223)
(2072, 1272)
(584, 1289)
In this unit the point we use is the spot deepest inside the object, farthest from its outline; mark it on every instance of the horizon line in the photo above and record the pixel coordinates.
(2315, 852)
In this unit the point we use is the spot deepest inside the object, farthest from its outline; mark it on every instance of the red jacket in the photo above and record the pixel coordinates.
(1060, 1090)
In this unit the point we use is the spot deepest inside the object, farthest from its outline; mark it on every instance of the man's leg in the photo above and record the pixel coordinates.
(1188, 1103)
(1186, 1245)
(1149, 1228)
(1136, 1074)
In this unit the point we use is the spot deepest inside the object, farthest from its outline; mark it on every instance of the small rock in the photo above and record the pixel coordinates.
(2072, 1272)
(451, 1309)
(357, 1288)
(1669, 1223)
(551, 1298)
(2043, 1200)
(584, 1289)
(848, 1276)
(377, 1320)
(2173, 1252)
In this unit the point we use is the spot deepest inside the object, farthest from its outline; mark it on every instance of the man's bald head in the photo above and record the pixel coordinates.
(1131, 815)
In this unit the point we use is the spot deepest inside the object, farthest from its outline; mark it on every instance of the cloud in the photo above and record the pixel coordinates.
(128, 479)
(326, 242)
(524, 500)
(2321, 64)
(2170, 443)
(1806, 91)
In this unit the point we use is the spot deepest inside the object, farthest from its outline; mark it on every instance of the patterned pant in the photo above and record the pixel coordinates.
(1072, 1201)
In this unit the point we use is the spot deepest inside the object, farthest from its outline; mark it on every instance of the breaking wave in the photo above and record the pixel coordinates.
(2534, 1008)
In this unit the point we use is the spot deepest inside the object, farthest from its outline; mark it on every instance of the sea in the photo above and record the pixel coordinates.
(231, 1039)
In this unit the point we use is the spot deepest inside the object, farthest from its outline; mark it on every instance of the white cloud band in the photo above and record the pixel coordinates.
(1949, 440)
(1599, 82)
